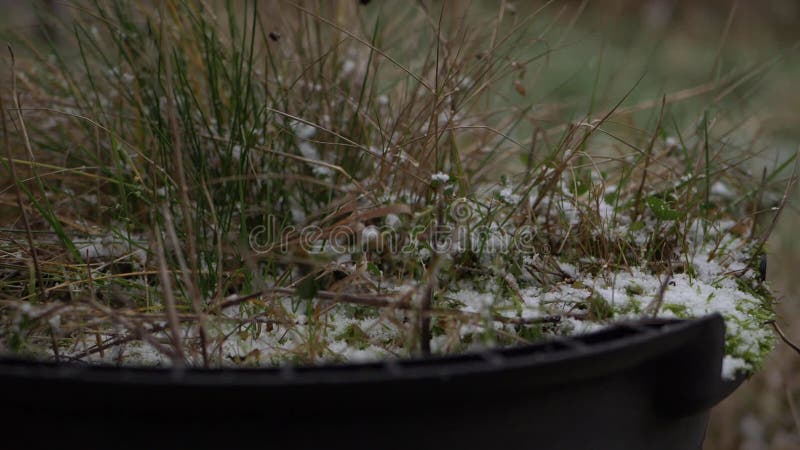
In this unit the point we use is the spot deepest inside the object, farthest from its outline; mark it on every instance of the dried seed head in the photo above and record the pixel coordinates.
(520, 88)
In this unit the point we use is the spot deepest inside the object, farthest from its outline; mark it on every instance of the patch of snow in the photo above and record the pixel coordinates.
(55, 321)
(474, 301)
(370, 234)
(731, 365)
(440, 177)
(236, 152)
(308, 151)
(393, 221)
(302, 130)
(722, 190)
(424, 254)
(507, 195)
(348, 67)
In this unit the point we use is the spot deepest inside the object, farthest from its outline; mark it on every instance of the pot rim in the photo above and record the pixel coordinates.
(617, 347)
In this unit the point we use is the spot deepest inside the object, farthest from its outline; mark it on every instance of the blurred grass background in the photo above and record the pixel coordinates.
(596, 52)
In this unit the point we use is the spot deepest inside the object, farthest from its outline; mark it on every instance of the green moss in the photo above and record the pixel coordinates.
(599, 308)
(360, 312)
(530, 332)
(634, 289)
(354, 336)
(679, 310)
(632, 306)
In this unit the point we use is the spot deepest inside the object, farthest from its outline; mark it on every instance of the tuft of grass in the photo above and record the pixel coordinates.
(247, 182)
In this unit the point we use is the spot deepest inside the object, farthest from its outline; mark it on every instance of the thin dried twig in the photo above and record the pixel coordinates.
(784, 199)
(191, 279)
(647, 156)
(169, 299)
(382, 301)
(26, 221)
(113, 342)
(15, 179)
(785, 339)
(189, 282)
(655, 305)
(366, 44)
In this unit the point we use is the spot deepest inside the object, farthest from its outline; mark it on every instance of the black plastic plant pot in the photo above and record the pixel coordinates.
(642, 385)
